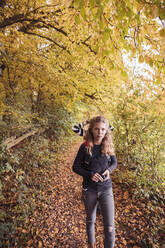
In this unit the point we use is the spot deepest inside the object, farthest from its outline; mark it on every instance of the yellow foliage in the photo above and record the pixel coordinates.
(74, 54)
(162, 32)
(155, 12)
(141, 59)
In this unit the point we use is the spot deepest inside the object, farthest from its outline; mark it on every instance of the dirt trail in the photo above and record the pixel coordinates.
(63, 225)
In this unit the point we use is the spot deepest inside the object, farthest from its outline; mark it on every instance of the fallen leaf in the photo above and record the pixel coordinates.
(126, 195)
(39, 244)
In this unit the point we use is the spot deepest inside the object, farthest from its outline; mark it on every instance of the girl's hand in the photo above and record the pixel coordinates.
(96, 177)
(106, 174)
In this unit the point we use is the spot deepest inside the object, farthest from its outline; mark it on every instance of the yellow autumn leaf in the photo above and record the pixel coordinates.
(126, 195)
(29, 242)
(37, 231)
(56, 230)
(124, 242)
(141, 59)
(67, 3)
(162, 32)
(155, 12)
(39, 244)
(126, 210)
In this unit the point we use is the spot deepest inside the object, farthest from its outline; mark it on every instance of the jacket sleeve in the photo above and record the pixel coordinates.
(112, 163)
(78, 163)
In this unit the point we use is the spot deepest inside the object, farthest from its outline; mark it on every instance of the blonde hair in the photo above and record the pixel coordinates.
(107, 146)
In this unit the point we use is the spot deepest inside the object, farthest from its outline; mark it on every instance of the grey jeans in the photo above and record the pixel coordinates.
(106, 202)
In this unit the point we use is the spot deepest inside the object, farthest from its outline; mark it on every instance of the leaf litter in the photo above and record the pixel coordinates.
(62, 223)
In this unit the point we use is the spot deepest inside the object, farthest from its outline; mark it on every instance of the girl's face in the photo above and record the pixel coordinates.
(99, 131)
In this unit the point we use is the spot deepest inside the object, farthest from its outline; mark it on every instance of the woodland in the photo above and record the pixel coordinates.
(62, 62)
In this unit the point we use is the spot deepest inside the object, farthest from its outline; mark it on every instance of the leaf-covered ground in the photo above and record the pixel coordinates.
(62, 223)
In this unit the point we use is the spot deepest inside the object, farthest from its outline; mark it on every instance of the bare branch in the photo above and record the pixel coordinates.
(11, 20)
(91, 96)
(87, 45)
(147, 125)
(47, 38)
(21, 18)
(41, 7)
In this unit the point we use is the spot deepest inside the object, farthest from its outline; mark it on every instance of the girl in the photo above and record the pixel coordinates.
(95, 161)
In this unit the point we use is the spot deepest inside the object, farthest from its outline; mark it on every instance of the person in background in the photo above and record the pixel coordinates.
(95, 161)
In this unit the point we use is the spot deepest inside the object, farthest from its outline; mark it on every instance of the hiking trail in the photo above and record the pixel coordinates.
(63, 224)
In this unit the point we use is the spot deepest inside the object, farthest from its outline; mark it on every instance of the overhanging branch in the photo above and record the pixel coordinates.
(92, 96)
(47, 38)
(87, 45)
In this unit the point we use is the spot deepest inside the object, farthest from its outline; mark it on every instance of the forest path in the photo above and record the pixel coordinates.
(63, 224)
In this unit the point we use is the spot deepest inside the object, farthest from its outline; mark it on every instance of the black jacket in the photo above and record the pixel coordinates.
(86, 166)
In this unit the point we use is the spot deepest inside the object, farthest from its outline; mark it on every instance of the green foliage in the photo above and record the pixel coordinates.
(25, 173)
(139, 139)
